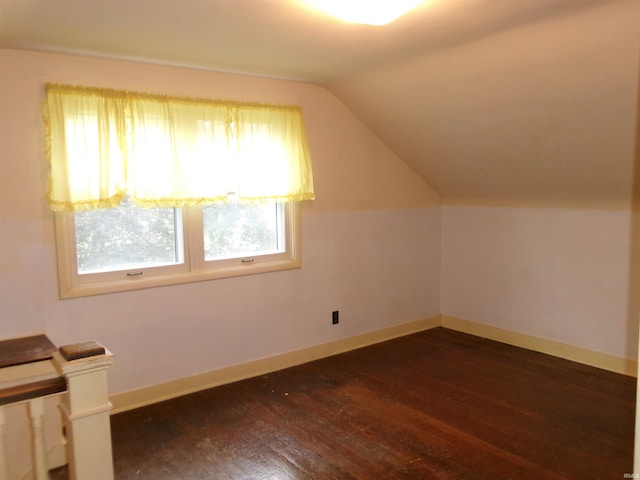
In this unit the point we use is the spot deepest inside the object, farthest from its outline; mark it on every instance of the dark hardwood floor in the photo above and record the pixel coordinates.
(438, 404)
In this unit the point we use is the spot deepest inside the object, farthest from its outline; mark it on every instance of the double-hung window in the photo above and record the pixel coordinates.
(153, 190)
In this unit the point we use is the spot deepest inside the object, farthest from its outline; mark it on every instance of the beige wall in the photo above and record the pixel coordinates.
(530, 131)
(371, 247)
(557, 274)
(371, 240)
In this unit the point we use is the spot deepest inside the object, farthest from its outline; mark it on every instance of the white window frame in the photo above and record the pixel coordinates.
(194, 269)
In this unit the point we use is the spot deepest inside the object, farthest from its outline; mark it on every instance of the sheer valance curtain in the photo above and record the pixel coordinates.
(171, 151)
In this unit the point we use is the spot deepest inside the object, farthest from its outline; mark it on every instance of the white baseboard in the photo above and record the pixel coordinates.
(183, 386)
(550, 347)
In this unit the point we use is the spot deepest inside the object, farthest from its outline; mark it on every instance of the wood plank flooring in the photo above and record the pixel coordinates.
(435, 405)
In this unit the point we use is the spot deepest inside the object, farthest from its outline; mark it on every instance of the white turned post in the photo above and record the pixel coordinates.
(3, 460)
(85, 410)
(36, 415)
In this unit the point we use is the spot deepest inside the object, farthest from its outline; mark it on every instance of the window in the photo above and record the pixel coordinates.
(126, 248)
(153, 190)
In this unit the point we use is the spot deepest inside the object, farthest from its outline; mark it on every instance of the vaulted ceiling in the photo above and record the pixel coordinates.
(490, 101)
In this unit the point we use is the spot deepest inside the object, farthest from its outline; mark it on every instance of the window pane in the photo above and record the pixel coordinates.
(128, 237)
(233, 230)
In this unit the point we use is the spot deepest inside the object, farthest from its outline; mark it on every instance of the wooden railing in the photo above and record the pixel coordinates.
(32, 370)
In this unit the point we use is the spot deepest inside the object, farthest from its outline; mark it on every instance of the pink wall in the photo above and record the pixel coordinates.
(370, 242)
(557, 274)
(371, 247)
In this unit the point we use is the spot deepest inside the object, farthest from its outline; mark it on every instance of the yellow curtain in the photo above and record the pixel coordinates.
(170, 151)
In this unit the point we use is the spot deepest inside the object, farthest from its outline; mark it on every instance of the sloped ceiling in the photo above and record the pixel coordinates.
(539, 115)
(490, 101)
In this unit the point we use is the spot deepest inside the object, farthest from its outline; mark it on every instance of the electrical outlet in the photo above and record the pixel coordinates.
(335, 317)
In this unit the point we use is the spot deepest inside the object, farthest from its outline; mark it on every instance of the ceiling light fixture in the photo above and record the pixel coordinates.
(368, 12)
